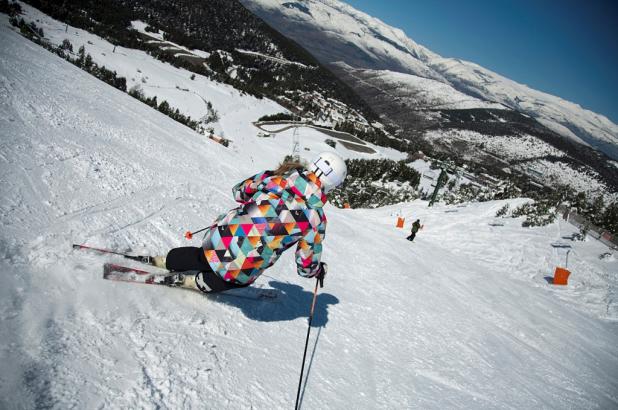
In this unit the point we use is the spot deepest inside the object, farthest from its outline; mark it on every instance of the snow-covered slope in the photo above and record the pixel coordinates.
(418, 92)
(564, 117)
(182, 89)
(190, 92)
(461, 318)
(531, 153)
(334, 31)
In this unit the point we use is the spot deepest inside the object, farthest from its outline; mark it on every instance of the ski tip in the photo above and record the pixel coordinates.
(112, 267)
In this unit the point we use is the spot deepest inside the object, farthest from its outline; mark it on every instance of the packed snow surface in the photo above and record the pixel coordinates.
(460, 318)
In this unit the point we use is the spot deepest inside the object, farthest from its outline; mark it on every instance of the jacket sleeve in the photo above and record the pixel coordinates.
(309, 249)
(243, 191)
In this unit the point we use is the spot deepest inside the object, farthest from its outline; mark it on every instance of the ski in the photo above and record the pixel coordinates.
(147, 259)
(112, 271)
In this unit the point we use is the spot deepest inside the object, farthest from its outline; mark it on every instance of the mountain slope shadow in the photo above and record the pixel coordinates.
(292, 302)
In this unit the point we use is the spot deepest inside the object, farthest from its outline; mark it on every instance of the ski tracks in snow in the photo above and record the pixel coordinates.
(525, 254)
(460, 318)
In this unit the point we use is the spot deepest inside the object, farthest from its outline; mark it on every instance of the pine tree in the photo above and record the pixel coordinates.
(164, 107)
(66, 45)
(88, 62)
(609, 220)
(595, 211)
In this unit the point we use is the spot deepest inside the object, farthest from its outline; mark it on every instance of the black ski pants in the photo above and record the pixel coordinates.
(191, 258)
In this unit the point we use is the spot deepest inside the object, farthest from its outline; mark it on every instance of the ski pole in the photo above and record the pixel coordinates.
(302, 369)
(189, 234)
(139, 258)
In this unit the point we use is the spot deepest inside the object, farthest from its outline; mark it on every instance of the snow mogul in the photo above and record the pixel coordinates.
(278, 209)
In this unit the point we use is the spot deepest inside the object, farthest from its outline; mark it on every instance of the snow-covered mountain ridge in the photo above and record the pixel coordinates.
(334, 31)
(461, 318)
(417, 91)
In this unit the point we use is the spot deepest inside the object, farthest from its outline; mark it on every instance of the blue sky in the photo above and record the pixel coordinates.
(568, 48)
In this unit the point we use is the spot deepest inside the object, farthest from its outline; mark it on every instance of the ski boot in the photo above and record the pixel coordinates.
(158, 261)
(180, 280)
(188, 281)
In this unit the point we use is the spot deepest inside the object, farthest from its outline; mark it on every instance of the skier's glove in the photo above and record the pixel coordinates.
(321, 273)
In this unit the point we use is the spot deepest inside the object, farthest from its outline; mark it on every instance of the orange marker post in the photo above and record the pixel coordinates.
(561, 276)
(400, 222)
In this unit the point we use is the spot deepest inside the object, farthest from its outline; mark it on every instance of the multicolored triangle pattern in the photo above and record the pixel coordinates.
(276, 212)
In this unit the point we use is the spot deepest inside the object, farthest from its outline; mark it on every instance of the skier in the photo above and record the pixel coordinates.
(279, 209)
(415, 227)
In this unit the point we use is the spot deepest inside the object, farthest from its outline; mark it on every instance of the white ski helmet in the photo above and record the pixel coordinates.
(330, 168)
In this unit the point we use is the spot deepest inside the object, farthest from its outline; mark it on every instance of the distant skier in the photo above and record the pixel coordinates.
(415, 228)
(279, 209)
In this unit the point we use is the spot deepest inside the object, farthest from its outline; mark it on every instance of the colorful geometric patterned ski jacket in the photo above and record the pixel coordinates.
(277, 212)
